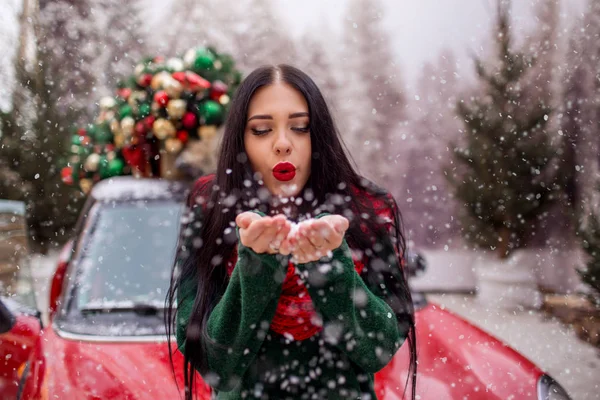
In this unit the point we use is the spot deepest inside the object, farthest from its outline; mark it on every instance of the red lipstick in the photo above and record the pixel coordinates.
(284, 171)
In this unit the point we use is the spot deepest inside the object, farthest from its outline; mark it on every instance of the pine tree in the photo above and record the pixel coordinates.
(371, 99)
(122, 38)
(590, 238)
(317, 59)
(433, 123)
(43, 107)
(505, 175)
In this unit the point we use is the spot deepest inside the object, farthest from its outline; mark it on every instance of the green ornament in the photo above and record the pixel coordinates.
(103, 170)
(76, 139)
(144, 110)
(204, 61)
(103, 134)
(210, 112)
(125, 111)
(115, 167)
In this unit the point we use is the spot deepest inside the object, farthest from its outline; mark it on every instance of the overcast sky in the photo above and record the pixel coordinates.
(420, 29)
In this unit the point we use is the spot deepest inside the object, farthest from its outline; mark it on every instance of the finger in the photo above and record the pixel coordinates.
(249, 235)
(244, 219)
(267, 236)
(285, 248)
(304, 246)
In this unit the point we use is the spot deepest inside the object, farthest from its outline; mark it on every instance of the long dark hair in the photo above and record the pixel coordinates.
(234, 190)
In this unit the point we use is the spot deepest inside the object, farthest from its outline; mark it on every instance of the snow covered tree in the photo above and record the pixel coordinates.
(590, 237)
(122, 38)
(317, 59)
(249, 29)
(32, 135)
(371, 98)
(581, 109)
(504, 175)
(433, 122)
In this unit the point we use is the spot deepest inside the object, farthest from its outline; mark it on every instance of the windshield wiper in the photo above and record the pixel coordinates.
(144, 309)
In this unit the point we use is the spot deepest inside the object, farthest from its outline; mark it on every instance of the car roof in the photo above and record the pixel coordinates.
(128, 188)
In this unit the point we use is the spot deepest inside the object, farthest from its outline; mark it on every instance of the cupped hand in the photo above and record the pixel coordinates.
(262, 234)
(314, 238)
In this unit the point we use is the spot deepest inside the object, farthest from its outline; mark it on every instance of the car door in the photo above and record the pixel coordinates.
(20, 324)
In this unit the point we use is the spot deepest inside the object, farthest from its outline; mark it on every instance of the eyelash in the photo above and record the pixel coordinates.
(258, 132)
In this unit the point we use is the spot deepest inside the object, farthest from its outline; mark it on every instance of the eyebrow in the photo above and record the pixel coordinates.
(294, 115)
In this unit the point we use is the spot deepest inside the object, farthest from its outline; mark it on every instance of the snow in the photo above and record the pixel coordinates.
(549, 344)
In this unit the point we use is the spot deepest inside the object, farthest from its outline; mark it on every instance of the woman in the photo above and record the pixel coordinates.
(288, 280)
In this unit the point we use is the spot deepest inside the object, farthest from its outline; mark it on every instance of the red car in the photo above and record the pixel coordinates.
(106, 337)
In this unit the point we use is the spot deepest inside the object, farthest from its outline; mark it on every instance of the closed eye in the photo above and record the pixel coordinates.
(260, 132)
(300, 129)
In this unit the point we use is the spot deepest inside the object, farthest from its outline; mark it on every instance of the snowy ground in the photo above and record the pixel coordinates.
(548, 343)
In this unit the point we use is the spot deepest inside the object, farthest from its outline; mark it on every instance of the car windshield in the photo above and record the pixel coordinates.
(127, 257)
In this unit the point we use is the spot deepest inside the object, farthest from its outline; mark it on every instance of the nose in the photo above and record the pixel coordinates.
(283, 145)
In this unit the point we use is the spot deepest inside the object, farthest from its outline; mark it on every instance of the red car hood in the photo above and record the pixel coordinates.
(458, 361)
(99, 370)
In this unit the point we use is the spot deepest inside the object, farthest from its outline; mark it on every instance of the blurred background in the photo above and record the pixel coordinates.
(482, 117)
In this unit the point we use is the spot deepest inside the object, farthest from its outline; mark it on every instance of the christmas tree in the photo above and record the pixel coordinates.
(155, 113)
(590, 239)
(504, 175)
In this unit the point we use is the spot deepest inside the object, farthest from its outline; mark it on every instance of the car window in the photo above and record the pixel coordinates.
(128, 255)
(15, 272)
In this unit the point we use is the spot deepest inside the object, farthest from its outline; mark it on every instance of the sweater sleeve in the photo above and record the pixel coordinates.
(238, 324)
(356, 316)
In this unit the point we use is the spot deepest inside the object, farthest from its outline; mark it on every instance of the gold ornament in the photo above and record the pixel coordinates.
(175, 64)
(119, 140)
(218, 64)
(159, 79)
(224, 99)
(111, 155)
(176, 108)
(91, 162)
(163, 128)
(136, 97)
(207, 132)
(85, 185)
(115, 127)
(189, 58)
(139, 70)
(106, 103)
(173, 145)
(172, 87)
(127, 125)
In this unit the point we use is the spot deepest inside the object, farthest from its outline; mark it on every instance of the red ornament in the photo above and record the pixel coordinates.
(124, 93)
(196, 82)
(189, 120)
(145, 80)
(149, 121)
(158, 59)
(141, 128)
(66, 175)
(85, 140)
(82, 132)
(134, 156)
(161, 97)
(179, 76)
(218, 89)
(109, 147)
(183, 136)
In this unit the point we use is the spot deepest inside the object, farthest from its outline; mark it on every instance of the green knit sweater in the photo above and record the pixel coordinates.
(249, 361)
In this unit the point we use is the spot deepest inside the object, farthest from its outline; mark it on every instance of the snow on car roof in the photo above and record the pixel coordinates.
(131, 188)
